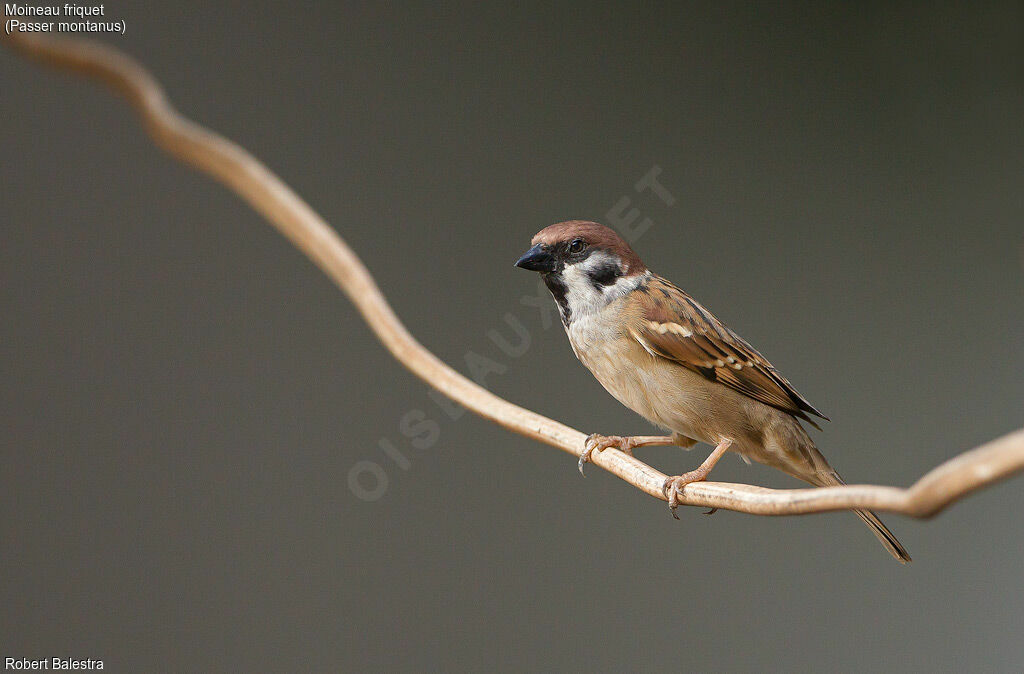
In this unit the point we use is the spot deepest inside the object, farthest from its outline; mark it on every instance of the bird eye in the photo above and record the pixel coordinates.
(577, 246)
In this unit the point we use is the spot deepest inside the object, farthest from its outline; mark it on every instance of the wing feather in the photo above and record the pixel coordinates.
(681, 330)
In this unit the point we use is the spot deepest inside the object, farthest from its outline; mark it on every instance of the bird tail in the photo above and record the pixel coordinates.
(884, 535)
(880, 531)
(809, 465)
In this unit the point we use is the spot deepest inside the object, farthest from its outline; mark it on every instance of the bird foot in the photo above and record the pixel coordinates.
(674, 487)
(597, 443)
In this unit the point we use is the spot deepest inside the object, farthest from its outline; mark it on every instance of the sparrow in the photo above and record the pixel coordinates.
(664, 356)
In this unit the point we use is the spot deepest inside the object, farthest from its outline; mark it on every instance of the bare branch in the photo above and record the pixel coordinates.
(269, 196)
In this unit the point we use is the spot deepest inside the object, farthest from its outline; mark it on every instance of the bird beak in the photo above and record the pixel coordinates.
(537, 259)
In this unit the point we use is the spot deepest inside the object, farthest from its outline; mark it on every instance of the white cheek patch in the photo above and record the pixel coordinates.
(583, 295)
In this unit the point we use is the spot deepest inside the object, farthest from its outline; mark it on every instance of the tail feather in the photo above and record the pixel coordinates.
(880, 531)
(804, 462)
(884, 535)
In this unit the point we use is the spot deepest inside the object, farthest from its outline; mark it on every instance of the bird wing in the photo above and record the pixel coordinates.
(674, 326)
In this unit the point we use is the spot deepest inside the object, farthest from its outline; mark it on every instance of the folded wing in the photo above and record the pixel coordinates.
(679, 329)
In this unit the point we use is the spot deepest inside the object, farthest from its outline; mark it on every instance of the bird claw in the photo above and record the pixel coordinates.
(673, 503)
(674, 485)
(584, 458)
(598, 443)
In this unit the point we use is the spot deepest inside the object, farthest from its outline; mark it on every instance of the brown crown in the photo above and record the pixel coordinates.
(596, 236)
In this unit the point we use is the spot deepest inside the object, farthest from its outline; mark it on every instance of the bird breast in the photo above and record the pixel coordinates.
(662, 392)
(620, 364)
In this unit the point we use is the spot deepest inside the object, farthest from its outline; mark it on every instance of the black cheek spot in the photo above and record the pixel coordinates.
(604, 275)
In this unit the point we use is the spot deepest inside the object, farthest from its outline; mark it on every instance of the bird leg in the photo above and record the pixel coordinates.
(674, 485)
(627, 443)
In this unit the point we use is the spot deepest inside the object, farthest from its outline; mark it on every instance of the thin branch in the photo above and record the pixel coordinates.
(269, 196)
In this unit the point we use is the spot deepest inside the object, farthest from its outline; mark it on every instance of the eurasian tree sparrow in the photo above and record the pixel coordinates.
(665, 357)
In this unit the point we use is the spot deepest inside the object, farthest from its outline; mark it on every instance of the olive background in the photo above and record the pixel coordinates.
(185, 397)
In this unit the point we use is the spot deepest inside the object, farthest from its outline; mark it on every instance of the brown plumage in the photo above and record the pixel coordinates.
(663, 355)
(597, 236)
(681, 330)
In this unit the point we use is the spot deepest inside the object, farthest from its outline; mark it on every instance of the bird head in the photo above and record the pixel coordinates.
(582, 248)
(586, 266)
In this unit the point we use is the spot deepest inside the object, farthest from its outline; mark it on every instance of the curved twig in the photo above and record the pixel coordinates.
(268, 195)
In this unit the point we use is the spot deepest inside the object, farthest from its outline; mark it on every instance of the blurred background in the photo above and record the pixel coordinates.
(187, 400)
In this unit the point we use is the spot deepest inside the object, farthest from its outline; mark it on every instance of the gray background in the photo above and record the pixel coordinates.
(183, 395)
